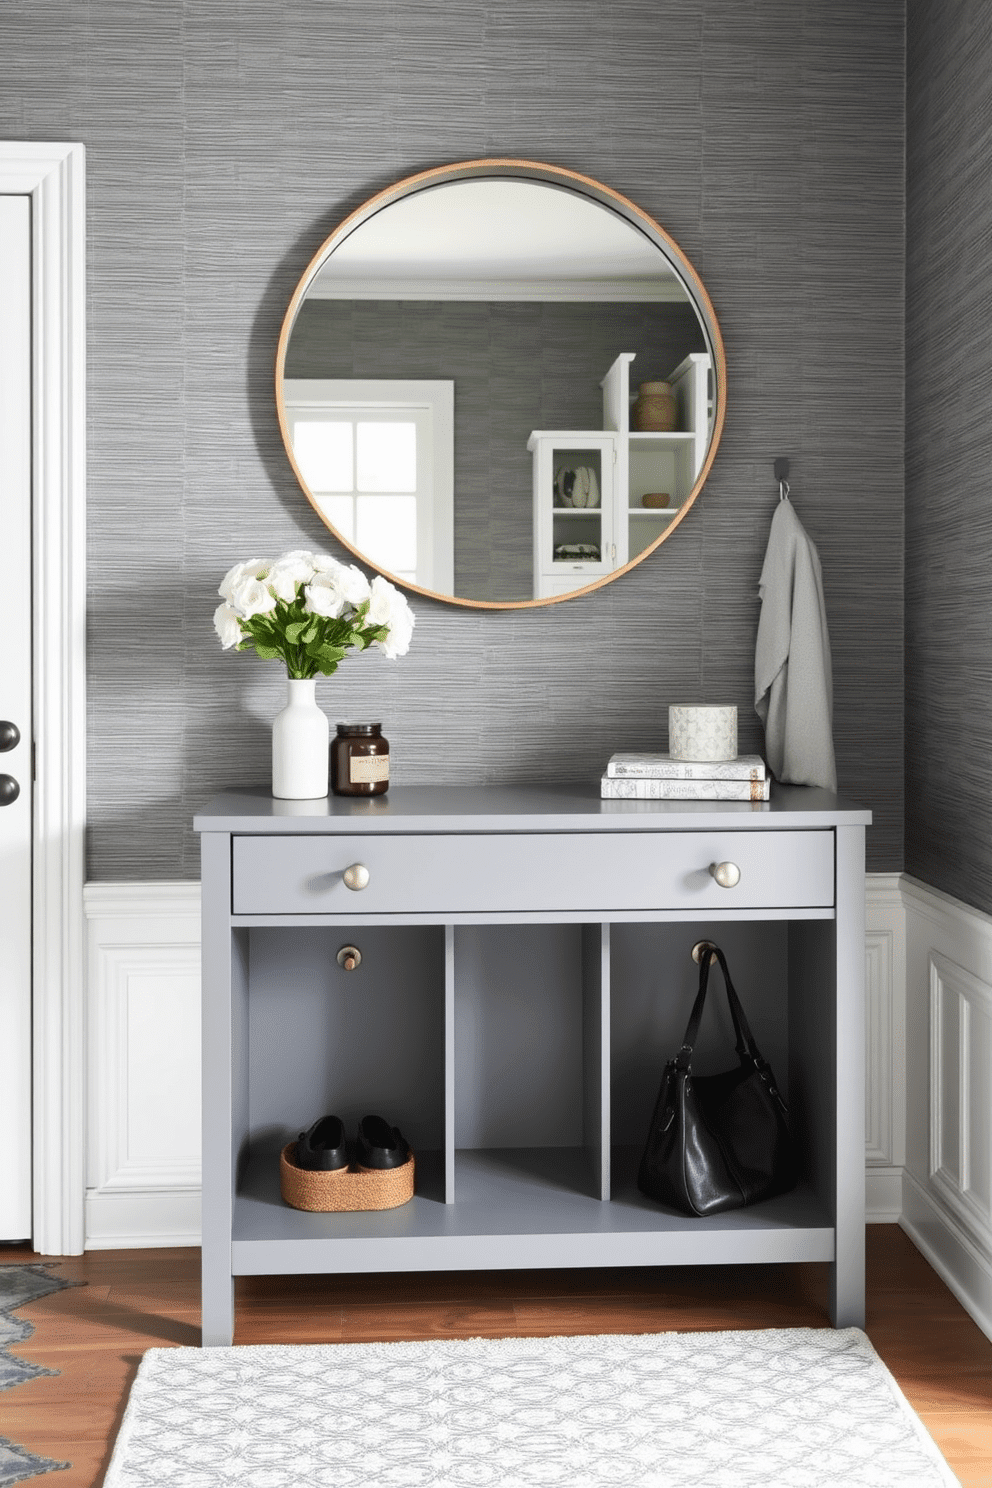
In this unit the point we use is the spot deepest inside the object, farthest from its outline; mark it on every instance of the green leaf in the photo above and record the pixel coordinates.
(329, 656)
(258, 628)
(268, 653)
(295, 630)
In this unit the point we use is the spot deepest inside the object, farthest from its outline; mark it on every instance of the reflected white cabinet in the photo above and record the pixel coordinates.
(574, 509)
(573, 545)
(656, 463)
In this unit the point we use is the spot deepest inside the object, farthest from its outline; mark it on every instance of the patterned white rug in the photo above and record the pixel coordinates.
(798, 1407)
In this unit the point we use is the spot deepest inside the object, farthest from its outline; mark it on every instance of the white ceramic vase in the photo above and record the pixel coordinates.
(300, 744)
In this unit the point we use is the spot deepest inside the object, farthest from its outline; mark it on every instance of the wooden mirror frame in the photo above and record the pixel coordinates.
(594, 191)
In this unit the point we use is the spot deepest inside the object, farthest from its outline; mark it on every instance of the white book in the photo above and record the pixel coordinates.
(663, 767)
(612, 789)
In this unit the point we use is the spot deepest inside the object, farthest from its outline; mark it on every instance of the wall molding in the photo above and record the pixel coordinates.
(947, 1181)
(960, 1136)
(944, 910)
(964, 1266)
(143, 1163)
(53, 176)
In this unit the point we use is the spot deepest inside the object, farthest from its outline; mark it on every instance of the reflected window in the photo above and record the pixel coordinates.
(378, 459)
(387, 527)
(387, 456)
(324, 453)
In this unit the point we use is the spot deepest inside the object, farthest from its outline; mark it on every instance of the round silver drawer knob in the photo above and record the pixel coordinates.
(356, 876)
(727, 875)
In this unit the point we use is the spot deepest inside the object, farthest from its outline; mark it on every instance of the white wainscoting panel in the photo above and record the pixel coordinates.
(947, 1192)
(961, 1093)
(143, 1147)
(143, 1140)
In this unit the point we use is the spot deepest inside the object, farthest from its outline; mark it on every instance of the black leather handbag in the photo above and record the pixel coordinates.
(717, 1141)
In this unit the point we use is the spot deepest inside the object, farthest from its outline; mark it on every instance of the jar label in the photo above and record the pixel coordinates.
(366, 769)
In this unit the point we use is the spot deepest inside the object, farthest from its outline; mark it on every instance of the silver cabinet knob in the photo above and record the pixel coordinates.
(356, 876)
(727, 875)
(9, 790)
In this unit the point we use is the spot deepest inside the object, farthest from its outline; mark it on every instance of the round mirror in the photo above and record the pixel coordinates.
(500, 383)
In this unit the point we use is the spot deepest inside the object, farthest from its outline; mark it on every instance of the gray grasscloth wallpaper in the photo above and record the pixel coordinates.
(949, 449)
(225, 138)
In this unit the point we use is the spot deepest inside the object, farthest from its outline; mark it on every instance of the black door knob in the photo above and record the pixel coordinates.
(9, 790)
(10, 735)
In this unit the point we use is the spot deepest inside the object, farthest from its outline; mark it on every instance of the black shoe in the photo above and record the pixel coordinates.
(323, 1147)
(379, 1145)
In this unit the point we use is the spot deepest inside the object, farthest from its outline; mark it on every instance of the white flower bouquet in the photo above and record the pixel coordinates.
(309, 610)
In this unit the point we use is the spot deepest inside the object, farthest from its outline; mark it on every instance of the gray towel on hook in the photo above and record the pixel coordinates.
(793, 686)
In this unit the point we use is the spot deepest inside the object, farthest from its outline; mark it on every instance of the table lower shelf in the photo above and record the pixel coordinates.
(515, 1208)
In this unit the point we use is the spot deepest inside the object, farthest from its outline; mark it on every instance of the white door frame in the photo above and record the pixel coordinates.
(53, 175)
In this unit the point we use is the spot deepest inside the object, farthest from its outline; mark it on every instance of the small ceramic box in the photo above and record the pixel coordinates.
(705, 732)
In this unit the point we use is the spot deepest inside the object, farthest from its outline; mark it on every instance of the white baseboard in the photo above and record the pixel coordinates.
(142, 1221)
(962, 1265)
(883, 1195)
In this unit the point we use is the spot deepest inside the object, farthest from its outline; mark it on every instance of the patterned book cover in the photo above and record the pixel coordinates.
(663, 767)
(612, 789)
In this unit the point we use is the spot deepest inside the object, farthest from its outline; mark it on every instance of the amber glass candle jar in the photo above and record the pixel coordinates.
(359, 760)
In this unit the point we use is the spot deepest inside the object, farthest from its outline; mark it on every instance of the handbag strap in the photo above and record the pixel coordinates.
(745, 1044)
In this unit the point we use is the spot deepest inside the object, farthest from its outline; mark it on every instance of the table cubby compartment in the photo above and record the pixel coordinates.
(527, 1074)
(653, 985)
(324, 1040)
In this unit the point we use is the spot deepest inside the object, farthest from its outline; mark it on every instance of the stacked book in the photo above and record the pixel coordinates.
(657, 777)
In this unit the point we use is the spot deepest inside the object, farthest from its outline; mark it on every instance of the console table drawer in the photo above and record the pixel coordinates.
(464, 873)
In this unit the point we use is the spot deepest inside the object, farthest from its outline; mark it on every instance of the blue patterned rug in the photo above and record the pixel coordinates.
(20, 1284)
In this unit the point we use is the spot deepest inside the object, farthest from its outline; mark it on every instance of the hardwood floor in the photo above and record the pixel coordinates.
(132, 1300)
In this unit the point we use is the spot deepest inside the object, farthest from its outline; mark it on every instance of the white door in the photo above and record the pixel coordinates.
(15, 719)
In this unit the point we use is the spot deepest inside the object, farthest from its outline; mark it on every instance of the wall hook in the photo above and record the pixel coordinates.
(781, 468)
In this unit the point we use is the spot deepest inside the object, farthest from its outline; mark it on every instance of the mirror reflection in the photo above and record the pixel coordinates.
(459, 383)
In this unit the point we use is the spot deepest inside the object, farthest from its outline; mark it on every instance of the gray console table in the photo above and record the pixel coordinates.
(511, 1016)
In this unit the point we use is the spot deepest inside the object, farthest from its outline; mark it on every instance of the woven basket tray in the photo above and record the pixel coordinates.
(346, 1188)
